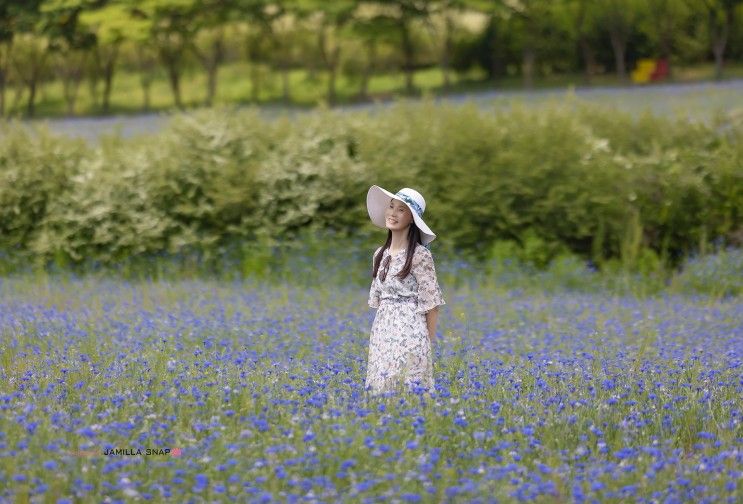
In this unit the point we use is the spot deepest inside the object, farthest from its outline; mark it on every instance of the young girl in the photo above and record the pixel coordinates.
(405, 291)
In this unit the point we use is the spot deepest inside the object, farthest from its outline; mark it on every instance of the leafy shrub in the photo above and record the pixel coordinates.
(35, 169)
(560, 179)
(719, 274)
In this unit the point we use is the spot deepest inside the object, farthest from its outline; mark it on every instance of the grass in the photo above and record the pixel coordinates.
(306, 90)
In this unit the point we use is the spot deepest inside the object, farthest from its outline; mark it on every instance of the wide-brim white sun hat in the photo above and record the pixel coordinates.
(378, 199)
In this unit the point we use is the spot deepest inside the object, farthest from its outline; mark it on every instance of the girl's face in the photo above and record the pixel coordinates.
(398, 216)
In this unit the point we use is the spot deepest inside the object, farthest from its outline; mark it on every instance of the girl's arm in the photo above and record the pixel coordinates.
(431, 317)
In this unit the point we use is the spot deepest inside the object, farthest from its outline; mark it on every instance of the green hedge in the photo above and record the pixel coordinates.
(560, 178)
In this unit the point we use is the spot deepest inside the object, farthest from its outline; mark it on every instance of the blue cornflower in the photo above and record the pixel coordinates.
(545, 469)
(460, 422)
(202, 481)
(452, 491)
(87, 432)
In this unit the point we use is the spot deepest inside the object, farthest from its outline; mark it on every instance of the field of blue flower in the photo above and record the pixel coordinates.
(206, 390)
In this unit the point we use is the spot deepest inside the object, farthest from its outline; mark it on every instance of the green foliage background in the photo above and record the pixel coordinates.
(567, 178)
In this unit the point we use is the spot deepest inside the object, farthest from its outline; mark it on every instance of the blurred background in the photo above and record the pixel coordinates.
(256, 129)
(83, 57)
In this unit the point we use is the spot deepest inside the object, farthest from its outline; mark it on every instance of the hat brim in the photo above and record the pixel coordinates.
(377, 200)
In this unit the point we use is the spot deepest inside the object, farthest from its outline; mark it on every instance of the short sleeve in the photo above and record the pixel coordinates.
(429, 291)
(374, 290)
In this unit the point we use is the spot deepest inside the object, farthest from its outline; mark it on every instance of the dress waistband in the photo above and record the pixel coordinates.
(399, 299)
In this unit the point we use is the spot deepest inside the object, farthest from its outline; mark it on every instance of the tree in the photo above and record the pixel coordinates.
(290, 46)
(445, 11)
(260, 16)
(404, 13)
(19, 18)
(208, 45)
(497, 12)
(328, 19)
(662, 25)
(7, 20)
(172, 29)
(29, 61)
(371, 29)
(141, 57)
(720, 16)
(28, 53)
(70, 43)
(111, 24)
(581, 20)
(619, 18)
(531, 17)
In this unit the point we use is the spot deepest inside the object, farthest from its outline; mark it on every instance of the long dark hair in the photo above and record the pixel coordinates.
(414, 238)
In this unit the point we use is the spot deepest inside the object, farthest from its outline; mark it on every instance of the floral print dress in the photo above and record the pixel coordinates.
(399, 348)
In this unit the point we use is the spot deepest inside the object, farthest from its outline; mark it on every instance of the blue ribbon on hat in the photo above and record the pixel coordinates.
(410, 201)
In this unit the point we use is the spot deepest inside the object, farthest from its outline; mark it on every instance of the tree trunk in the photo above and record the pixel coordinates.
(146, 84)
(171, 54)
(719, 34)
(70, 87)
(93, 89)
(665, 45)
(30, 106)
(718, 49)
(618, 45)
(18, 89)
(369, 68)
(529, 53)
(666, 50)
(70, 67)
(529, 56)
(285, 85)
(255, 84)
(174, 76)
(4, 58)
(447, 50)
(330, 59)
(108, 76)
(36, 69)
(3, 82)
(495, 59)
(70, 99)
(94, 72)
(211, 84)
(332, 72)
(211, 61)
(255, 53)
(409, 57)
(496, 68)
(589, 60)
(146, 63)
